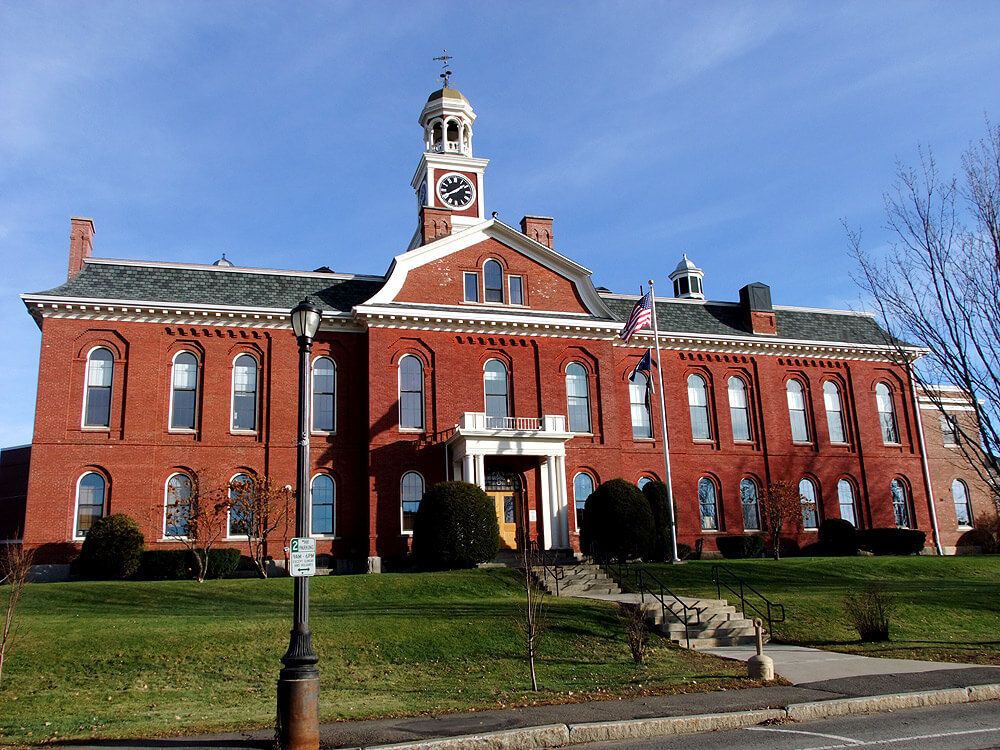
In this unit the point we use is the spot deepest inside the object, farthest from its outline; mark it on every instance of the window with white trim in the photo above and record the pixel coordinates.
(750, 501)
(516, 286)
(949, 430)
(834, 412)
(240, 521)
(886, 414)
(701, 428)
(91, 495)
(323, 504)
(493, 281)
(245, 393)
(708, 504)
(638, 396)
(184, 391)
(97, 399)
(797, 411)
(495, 387)
(411, 492)
(577, 397)
(324, 395)
(583, 487)
(739, 410)
(411, 393)
(177, 505)
(960, 496)
(900, 503)
(471, 283)
(845, 497)
(810, 506)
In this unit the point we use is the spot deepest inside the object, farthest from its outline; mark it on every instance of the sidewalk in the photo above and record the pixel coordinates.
(551, 726)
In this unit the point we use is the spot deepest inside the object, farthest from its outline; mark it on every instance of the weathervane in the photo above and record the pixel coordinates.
(444, 58)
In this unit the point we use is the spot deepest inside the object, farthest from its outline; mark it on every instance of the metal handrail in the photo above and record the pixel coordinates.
(641, 583)
(765, 613)
(548, 561)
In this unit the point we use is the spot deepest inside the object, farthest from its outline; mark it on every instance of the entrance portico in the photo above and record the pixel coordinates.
(542, 441)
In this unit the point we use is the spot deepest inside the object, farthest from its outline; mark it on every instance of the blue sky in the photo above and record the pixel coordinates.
(285, 134)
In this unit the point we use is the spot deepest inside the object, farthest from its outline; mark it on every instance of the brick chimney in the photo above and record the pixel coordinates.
(538, 228)
(81, 243)
(755, 299)
(435, 223)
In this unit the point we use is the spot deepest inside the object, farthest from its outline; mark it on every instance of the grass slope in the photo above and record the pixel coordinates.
(948, 607)
(120, 659)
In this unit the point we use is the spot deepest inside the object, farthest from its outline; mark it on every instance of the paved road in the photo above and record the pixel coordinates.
(970, 726)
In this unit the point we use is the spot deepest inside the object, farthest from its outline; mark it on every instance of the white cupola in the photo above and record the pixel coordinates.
(687, 280)
(447, 122)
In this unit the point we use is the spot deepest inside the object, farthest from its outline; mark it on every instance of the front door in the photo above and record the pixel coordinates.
(504, 488)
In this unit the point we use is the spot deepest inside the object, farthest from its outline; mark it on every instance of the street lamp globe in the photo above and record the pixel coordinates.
(305, 320)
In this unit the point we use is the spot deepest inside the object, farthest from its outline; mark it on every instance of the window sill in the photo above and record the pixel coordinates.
(95, 428)
(803, 443)
(892, 445)
(406, 533)
(703, 441)
(172, 539)
(330, 537)
(322, 433)
(709, 531)
(242, 432)
(182, 431)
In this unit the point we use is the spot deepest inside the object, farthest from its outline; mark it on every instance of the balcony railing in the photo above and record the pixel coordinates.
(479, 421)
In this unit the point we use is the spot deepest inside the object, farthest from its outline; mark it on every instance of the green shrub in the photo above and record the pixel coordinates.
(659, 504)
(685, 552)
(617, 522)
(740, 547)
(163, 565)
(112, 549)
(870, 610)
(838, 538)
(222, 563)
(455, 527)
(891, 541)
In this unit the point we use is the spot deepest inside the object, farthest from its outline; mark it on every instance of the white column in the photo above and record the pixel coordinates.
(546, 509)
(481, 471)
(553, 515)
(563, 509)
(468, 469)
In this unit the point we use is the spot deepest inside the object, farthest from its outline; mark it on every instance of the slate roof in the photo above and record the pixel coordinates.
(211, 286)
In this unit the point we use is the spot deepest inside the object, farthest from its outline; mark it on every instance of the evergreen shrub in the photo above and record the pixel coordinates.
(659, 504)
(455, 527)
(112, 548)
(838, 538)
(222, 563)
(891, 541)
(163, 565)
(740, 547)
(617, 522)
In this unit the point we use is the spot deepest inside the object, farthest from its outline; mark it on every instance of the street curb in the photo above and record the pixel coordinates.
(558, 735)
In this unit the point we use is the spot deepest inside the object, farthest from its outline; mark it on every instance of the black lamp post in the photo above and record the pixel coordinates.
(298, 683)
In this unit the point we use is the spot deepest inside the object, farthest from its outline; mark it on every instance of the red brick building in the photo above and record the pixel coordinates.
(483, 354)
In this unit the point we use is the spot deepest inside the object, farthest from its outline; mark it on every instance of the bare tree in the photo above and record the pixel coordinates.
(938, 287)
(779, 503)
(15, 565)
(196, 518)
(532, 618)
(257, 507)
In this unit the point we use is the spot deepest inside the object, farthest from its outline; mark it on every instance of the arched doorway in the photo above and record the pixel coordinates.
(504, 487)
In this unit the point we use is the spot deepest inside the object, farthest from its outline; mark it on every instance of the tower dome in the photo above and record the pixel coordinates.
(447, 122)
(687, 279)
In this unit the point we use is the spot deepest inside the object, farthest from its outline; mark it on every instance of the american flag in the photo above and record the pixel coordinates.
(642, 315)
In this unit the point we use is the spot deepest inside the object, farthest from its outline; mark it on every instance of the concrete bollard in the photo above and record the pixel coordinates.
(760, 667)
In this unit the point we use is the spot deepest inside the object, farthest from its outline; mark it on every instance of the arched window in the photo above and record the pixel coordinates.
(797, 411)
(739, 409)
(643, 481)
(495, 387)
(834, 412)
(245, 393)
(638, 396)
(810, 507)
(583, 487)
(91, 493)
(886, 414)
(323, 498)
(324, 395)
(411, 492)
(177, 505)
(493, 281)
(708, 504)
(698, 404)
(845, 496)
(900, 503)
(184, 391)
(411, 393)
(241, 506)
(577, 398)
(749, 498)
(97, 400)
(960, 494)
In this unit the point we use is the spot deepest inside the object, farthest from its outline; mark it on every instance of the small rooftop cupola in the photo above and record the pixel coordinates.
(447, 122)
(687, 280)
(224, 262)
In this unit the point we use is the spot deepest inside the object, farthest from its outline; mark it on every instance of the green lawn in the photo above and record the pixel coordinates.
(119, 659)
(948, 607)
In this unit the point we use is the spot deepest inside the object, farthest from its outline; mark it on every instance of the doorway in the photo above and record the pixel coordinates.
(504, 488)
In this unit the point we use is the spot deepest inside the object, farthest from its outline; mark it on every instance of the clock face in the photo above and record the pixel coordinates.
(455, 190)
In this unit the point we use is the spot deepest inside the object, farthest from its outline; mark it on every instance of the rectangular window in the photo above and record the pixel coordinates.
(471, 287)
(638, 394)
(949, 429)
(516, 290)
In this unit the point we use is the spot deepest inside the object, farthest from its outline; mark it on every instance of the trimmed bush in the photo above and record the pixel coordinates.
(163, 565)
(617, 522)
(455, 527)
(891, 541)
(222, 563)
(659, 504)
(112, 549)
(838, 538)
(685, 552)
(740, 547)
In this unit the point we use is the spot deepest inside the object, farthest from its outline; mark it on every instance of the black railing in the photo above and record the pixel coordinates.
(547, 561)
(763, 607)
(647, 583)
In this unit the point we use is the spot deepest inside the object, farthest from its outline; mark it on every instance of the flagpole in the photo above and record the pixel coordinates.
(663, 425)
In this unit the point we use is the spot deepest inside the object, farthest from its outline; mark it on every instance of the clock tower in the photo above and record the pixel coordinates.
(449, 179)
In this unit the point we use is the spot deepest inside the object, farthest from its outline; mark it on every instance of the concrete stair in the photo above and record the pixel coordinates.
(578, 579)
